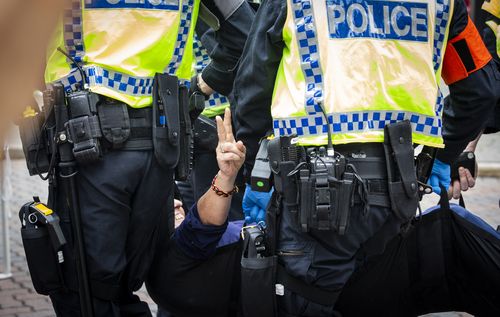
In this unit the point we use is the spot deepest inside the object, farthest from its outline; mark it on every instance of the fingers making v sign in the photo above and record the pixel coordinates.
(230, 154)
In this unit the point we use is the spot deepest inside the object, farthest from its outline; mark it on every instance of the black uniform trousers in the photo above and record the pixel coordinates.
(126, 204)
(325, 258)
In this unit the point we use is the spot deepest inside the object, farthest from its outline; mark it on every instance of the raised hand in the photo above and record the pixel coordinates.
(230, 154)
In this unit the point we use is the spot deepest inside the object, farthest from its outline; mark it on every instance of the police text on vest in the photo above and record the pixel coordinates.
(377, 19)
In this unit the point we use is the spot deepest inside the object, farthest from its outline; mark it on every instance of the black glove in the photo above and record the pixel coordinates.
(466, 160)
(196, 99)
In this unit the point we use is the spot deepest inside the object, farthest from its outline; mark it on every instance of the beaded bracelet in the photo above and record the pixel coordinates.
(220, 192)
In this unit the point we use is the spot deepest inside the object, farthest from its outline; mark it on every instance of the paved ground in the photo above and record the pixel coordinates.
(18, 299)
(17, 296)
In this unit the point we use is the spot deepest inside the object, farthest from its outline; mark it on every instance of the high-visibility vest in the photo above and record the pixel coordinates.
(493, 7)
(121, 44)
(216, 103)
(367, 63)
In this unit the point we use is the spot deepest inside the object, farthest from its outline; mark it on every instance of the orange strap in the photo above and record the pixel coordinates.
(465, 54)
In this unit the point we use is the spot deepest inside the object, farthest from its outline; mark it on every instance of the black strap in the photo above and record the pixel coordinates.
(465, 55)
(461, 201)
(310, 292)
(443, 200)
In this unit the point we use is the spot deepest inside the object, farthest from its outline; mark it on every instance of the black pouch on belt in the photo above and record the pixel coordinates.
(205, 134)
(258, 275)
(43, 241)
(83, 127)
(115, 122)
(402, 178)
(166, 124)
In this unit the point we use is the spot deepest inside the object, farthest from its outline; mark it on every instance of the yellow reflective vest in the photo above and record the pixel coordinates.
(367, 63)
(121, 44)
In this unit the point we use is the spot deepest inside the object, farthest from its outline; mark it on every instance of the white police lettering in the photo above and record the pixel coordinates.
(140, 4)
(379, 19)
(350, 18)
(396, 14)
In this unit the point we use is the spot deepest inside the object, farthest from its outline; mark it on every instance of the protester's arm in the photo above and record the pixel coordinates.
(213, 208)
(254, 82)
(206, 222)
(235, 19)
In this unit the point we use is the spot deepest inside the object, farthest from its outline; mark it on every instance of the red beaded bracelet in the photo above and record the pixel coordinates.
(220, 192)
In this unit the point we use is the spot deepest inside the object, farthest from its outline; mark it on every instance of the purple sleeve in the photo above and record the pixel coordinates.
(195, 239)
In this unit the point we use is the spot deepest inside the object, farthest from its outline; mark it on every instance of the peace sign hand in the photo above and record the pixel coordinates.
(230, 154)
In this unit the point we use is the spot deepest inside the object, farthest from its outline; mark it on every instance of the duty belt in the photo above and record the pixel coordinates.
(140, 126)
(97, 124)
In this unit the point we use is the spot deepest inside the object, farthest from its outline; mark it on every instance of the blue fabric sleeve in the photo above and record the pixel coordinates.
(195, 239)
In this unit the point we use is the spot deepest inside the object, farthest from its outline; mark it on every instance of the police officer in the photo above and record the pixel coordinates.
(491, 37)
(366, 66)
(115, 48)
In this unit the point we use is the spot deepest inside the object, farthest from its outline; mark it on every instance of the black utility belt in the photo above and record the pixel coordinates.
(321, 185)
(98, 124)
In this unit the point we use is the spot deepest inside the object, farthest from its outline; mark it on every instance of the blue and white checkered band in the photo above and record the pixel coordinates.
(355, 122)
(442, 16)
(216, 99)
(200, 55)
(73, 39)
(439, 104)
(98, 76)
(182, 36)
(309, 54)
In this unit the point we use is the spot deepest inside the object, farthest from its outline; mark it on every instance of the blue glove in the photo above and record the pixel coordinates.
(255, 204)
(440, 176)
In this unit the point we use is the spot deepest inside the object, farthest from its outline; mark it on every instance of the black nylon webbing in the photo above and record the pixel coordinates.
(310, 292)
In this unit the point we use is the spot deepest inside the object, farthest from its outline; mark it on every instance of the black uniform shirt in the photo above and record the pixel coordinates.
(471, 98)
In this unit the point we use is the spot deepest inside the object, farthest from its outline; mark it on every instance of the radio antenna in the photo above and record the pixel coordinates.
(82, 73)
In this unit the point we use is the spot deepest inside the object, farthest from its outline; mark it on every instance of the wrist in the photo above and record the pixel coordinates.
(203, 86)
(225, 182)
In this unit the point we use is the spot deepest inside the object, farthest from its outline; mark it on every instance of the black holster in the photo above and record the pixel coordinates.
(205, 135)
(83, 126)
(43, 241)
(35, 143)
(326, 194)
(37, 133)
(166, 124)
(258, 275)
(401, 173)
(318, 187)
